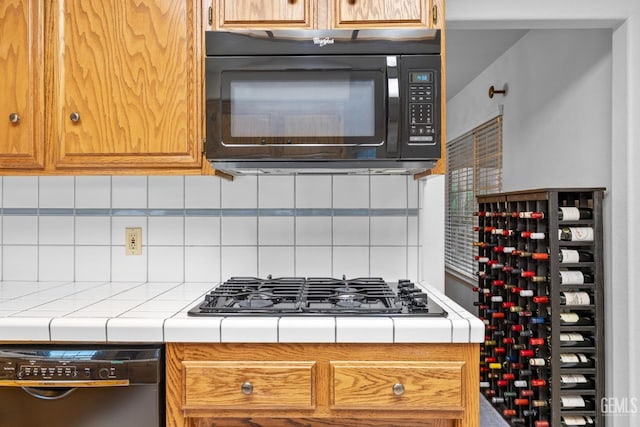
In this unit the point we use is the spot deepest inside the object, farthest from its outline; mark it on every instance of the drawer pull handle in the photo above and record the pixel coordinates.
(246, 388)
(75, 117)
(14, 118)
(398, 389)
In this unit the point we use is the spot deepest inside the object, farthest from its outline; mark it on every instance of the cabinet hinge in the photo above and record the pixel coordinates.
(210, 15)
(434, 14)
(204, 145)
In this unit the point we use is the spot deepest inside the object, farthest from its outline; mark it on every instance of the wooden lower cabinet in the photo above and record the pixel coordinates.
(433, 385)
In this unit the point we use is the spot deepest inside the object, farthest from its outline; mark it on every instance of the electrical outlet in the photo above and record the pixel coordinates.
(133, 241)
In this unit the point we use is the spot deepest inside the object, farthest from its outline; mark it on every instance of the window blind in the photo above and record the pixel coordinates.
(474, 167)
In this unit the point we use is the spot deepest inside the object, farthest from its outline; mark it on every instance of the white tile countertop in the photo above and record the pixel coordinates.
(157, 312)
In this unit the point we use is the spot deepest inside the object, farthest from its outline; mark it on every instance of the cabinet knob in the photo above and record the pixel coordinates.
(398, 389)
(246, 388)
(14, 117)
(74, 117)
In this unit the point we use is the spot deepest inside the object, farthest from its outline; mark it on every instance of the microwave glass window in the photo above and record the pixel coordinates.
(302, 108)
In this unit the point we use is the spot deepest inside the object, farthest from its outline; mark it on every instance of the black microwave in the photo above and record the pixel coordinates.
(310, 100)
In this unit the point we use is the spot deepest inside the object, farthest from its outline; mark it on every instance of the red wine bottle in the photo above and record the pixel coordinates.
(576, 234)
(572, 255)
(574, 214)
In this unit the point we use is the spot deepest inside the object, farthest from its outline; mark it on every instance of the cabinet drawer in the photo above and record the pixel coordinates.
(249, 385)
(397, 385)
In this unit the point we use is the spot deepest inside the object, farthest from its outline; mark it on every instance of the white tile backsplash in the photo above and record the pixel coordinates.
(242, 192)
(20, 230)
(203, 228)
(20, 192)
(202, 192)
(388, 192)
(351, 191)
(165, 230)
(201, 231)
(313, 191)
(242, 231)
(351, 230)
(276, 192)
(276, 231)
(202, 264)
(389, 262)
(166, 192)
(166, 263)
(93, 192)
(313, 231)
(93, 230)
(350, 261)
(56, 263)
(56, 192)
(55, 230)
(239, 261)
(19, 262)
(128, 268)
(314, 261)
(388, 230)
(129, 192)
(276, 261)
(93, 263)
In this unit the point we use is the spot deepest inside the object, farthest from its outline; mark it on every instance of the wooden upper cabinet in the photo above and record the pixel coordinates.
(125, 84)
(21, 85)
(381, 13)
(265, 13)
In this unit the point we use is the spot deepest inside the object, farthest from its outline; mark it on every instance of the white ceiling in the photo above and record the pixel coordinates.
(469, 52)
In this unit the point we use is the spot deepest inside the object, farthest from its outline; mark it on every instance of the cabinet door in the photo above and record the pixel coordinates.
(265, 13)
(21, 94)
(350, 13)
(126, 83)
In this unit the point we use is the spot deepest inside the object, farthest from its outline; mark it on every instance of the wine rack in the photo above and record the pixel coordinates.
(540, 296)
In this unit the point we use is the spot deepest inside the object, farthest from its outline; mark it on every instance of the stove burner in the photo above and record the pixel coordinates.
(294, 296)
(257, 300)
(347, 300)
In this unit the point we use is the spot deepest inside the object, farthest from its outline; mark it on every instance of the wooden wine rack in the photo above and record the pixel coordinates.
(504, 361)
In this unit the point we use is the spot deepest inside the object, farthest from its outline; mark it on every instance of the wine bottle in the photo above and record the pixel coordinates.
(574, 319)
(575, 381)
(532, 235)
(576, 234)
(575, 298)
(575, 277)
(572, 255)
(531, 215)
(576, 420)
(574, 214)
(569, 339)
(576, 402)
(575, 360)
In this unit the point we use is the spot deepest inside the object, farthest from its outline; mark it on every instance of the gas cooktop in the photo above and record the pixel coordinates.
(299, 296)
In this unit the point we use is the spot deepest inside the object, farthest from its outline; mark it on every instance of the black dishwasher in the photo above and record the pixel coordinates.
(81, 386)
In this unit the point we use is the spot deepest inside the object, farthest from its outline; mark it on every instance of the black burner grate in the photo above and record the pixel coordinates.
(316, 296)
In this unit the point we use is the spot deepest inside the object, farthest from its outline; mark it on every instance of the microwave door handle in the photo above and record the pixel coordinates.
(393, 104)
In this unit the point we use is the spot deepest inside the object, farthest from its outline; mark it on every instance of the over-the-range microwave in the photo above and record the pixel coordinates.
(323, 100)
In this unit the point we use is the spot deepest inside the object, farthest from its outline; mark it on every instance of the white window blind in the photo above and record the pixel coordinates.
(474, 167)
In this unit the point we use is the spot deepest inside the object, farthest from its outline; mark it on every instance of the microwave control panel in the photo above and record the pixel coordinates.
(421, 98)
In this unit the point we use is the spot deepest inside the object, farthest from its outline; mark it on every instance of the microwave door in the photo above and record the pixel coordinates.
(300, 113)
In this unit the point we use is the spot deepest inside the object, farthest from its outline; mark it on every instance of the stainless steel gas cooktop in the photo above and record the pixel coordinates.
(299, 296)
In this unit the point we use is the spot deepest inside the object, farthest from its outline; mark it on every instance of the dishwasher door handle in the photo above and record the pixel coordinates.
(48, 393)
(64, 384)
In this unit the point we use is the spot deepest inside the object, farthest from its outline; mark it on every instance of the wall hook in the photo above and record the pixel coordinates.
(493, 90)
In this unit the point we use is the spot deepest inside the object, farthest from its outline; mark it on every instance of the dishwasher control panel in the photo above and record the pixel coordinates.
(100, 364)
(61, 370)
